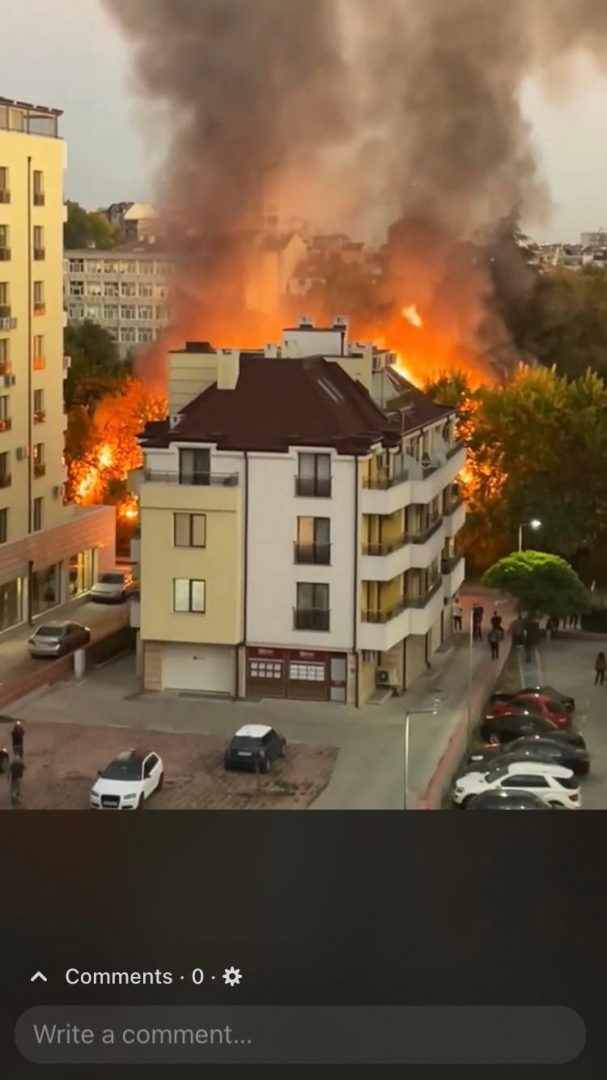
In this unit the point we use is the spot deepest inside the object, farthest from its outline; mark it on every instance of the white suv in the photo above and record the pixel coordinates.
(128, 781)
(557, 786)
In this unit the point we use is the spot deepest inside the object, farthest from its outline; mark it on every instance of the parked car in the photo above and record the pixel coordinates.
(255, 747)
(507, 800)
(504, 727)
(558, 787)
(128, 781)
(532, 748)
(565, 700)
(540, 705)
(113, 588)
(54, 639)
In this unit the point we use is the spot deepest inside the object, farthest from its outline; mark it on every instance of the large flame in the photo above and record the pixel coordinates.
(412, 315)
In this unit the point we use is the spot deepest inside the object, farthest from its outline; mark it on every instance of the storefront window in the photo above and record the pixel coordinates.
(81, 573)
(11, 604)
(46, 588)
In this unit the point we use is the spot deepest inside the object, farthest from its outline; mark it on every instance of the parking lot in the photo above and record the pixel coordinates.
(62, 761)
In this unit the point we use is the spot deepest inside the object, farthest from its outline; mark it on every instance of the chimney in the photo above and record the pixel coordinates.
(306, 323)
(228, 369)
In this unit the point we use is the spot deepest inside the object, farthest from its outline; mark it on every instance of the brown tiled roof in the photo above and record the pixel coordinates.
(279, 403)
(422, 409)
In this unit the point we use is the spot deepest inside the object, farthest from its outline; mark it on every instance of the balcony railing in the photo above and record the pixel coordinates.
(385, 615)
(402, 540)
(449, 565)
(39, 198)
(313, 487)
(5, 480)
(422, 537)
(313, 554)
(6, 424)
(39, 470)
(383, 483)
(39, 254)
(39, 307)
(311, 619)
(5, 195)
(452, 505)
(5, 254)
(39, 416)
(196, 479)
(453, 450)
(39, 363)
(8, 323)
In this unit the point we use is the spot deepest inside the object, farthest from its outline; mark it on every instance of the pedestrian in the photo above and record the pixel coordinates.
(599, 667)
(477, 622)
(458, 612)
(18, 736)
(494, 637)
(496, 624)
(16, 771)
(550, 628)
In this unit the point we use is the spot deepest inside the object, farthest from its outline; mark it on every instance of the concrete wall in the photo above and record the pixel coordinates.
(415, 663)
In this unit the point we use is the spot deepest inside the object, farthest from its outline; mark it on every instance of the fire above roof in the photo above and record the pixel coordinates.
(276, 398)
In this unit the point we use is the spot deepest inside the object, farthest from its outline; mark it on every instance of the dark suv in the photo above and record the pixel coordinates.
(254, 748)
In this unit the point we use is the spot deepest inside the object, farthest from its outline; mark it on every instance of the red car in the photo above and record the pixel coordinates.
(539, 705)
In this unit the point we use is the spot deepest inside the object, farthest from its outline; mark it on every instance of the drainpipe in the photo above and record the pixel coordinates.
(356, 594)
(245, 576)
(29, 348)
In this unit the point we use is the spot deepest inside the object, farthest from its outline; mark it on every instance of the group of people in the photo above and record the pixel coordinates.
(496, 631)
(14, 767)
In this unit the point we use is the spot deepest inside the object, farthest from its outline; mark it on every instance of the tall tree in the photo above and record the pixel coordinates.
(542, 584)
(96, 368)
(85, 229)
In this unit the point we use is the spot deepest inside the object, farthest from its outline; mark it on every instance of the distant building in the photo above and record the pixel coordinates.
(125, 290)
(274, 259)
(134, 220)
(596, 239)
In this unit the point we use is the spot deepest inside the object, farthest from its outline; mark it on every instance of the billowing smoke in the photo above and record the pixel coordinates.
(362, 114)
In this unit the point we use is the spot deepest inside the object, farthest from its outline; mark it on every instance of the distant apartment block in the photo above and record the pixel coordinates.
(300, 512)
(125, 290)
(49, 553)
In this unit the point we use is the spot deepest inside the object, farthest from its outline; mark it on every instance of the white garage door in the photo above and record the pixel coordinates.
(208, 668)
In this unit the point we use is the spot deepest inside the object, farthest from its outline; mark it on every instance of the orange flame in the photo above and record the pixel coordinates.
(412, 315)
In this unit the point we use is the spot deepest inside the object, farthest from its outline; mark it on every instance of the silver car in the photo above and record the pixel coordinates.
(113, 588)
(57, 639)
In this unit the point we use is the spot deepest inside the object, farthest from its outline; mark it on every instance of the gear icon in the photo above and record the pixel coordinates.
(232, 976)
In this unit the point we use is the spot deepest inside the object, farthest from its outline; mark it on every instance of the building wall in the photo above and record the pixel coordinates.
(415, 661)
(273, 574)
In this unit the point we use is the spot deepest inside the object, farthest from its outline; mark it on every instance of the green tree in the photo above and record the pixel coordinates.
(96, 367)
(87, 229)
(542, 584)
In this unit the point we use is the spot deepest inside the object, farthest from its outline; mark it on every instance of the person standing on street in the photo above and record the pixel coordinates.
(599, 667)
(496, 624)
(18, 736)
(494, 637)
(16, 771)
(477, 622)
(458, 612)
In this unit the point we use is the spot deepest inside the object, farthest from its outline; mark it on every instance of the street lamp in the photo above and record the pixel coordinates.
(535, 524)
(408, 715)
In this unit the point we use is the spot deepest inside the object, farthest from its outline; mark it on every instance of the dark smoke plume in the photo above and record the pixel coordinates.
(405, 110)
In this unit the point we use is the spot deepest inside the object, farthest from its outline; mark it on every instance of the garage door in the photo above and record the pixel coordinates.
(206, 668)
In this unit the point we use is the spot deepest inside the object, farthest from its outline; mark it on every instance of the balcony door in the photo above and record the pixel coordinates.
(314, 475)
(195, 467)
(313, 540)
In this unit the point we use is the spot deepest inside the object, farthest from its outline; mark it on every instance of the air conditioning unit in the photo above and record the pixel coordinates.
(386, 677)
(9, 380)
(58, 491)
(22, 453)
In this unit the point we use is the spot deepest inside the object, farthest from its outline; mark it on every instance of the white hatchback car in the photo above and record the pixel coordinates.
(113, 588)
(128, 781)
(554, 784)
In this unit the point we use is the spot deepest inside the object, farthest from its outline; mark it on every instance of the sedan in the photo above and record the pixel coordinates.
(558, 787)
(57, 639)
(540, 705)
(254, 748)
(504, 727)
(565, 700)
(507, 800)
(532, 748)
(113, 588)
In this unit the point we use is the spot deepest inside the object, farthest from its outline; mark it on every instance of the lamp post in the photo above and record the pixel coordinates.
(533, 524)
(408, 715)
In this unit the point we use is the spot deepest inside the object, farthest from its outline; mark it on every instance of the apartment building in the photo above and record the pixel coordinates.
(125, 290)
(48, 552)
(298, 539)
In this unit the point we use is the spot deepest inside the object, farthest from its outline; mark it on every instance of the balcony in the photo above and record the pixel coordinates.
(6, 367)
(5, 254)
(455, 516)
(39, 363)
(5, 480)
(430, 530)
(197, 479)
(384, 482)
(8, 322)
(313, 487)
(381, 629)
(39, 416)
(6, 424)
(5, 195)
(39, 198)
(39, 308)
(39, 254)
(5, 311)
(315, 619)
(39, 470)
(383, 562)
(313, 554)
(455, 449)
(454, 572)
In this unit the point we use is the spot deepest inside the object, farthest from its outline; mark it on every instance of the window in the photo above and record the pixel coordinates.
(146, 289)
(39, 464)
(38, 188)
(5, 356)
(190, 530)
(112, 268)
(307, 672)
(160, 292)
(5, 299)
(5, 193)
(313, 540)
(195, 467)
(76, 266)
(128, 312)
(110, 312)
(39, 414)
(39, 252)
(5, 412)
(38, 345)
(162, 314)
(93, 266)
(312, 612)
(3, 526)
(129, 266)
(128, 288)
(111, 288)
(94, 288)
(76, 288)
(128, 335)
(314, 475)
(146, 312)
(146, 267)
(526, 781)
(5, 248)
(39, 302)
(38, 510)
(145, 335)
(188, 596)
(265, 669)
(5, 475)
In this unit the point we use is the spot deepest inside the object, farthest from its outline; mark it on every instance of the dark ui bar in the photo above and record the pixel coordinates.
(300, 1035)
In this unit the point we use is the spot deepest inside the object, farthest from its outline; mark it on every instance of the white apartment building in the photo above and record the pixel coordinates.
(297, 539)
(125, 290)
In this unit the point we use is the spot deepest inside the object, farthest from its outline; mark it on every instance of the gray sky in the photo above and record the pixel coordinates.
(67, 53)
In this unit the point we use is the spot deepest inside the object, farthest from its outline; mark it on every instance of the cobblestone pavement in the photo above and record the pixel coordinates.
(62, 761)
